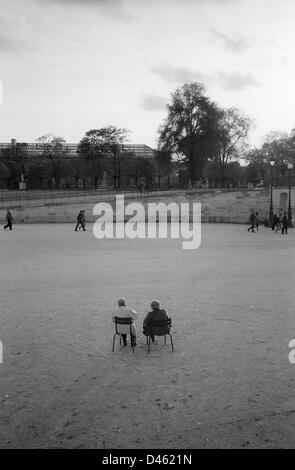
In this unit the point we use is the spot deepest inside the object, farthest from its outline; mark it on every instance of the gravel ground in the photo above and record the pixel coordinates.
(228, 383)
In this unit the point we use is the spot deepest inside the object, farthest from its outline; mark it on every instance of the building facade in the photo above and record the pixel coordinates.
(30, 166)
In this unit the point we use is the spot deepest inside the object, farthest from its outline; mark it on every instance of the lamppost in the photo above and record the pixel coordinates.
(290, 167)
(271, 162)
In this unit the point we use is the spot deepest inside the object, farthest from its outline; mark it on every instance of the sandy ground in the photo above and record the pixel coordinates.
(229, 382)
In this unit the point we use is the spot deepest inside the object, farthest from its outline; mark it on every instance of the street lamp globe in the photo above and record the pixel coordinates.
(290, 166)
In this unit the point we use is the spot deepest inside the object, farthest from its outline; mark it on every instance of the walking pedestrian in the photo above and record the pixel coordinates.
(279, 223)
(257, 221)
(285, 223)
(275, 221)
(9, 220)
(81, 221)
(252, 221)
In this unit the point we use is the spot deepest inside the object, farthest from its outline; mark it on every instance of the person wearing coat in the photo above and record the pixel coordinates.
(80, 221)
(122, 311)
(155, 314)
(285, 223)
(9, 220)
(252, 221)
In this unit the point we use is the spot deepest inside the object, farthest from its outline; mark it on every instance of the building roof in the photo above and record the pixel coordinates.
(136, 150)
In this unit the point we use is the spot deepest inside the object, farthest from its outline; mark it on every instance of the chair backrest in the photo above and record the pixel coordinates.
(123, 325)
(160, 327)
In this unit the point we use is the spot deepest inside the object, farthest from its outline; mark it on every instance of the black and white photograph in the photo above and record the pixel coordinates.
(147, 241)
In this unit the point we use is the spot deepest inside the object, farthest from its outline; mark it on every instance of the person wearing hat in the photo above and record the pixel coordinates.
(122, 311)
(156, 314)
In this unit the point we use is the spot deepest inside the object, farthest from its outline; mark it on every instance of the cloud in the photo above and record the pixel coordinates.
(13, 34)
(114, 8)
(153, 102)
(99, 3)
(283, 60)
(234, 43)
(174, 74)
(6, 43)
(9, 44)
(217, 2)
(236, 81)
(232, 81)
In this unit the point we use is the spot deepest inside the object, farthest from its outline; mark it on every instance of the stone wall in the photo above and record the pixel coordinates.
(227, 206)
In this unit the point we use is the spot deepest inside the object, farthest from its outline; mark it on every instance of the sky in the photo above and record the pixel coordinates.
(67, 66)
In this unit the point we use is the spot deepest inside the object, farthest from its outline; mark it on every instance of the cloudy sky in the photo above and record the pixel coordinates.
(67, 66)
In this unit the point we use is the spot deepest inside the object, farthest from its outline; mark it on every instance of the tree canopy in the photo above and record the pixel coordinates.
(52, 150)
(106, 145)
(201, 131)
(190, 126)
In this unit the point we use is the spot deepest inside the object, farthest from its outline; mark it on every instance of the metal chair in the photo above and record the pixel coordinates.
(123, 327)
(159, 328)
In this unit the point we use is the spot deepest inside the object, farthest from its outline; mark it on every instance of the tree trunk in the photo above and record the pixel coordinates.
(221, 176)
(192, 175)
(115, 173)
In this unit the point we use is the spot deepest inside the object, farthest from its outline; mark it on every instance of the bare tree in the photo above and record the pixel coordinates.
(52, 150)
(106, 145)
(230, 137)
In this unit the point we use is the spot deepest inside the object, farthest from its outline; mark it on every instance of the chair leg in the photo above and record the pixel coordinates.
(114, 342)
(132, 341)
(171, 342)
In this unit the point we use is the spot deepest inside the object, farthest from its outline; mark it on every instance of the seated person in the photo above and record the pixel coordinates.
(123, 311)
(156, 314)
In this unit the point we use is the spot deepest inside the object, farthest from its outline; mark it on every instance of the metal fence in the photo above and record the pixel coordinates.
(14, 199)
(33, 198)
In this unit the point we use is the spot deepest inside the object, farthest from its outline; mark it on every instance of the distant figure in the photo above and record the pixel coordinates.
(252, 221)
(148, 187)
(257, 220)
(123, 311)
(81, 221)
(275, 222)
(9, 220)
(156, 314)
(285, 223)
(141, 187)
(279, 223)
